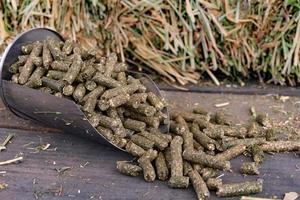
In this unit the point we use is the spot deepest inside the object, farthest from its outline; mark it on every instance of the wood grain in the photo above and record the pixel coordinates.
(36, 175)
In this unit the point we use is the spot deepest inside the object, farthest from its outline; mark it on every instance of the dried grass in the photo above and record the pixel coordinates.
(179, 40)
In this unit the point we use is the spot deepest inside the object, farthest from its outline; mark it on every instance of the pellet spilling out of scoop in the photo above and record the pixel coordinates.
(129, 115)
(161, 167)
(128, 169)
(145, 163)
(232, 152)
(177, 179)
(238, 189)
(134, 149)
(28, 67)
(207, 160)
(199, 185)
(280, 146)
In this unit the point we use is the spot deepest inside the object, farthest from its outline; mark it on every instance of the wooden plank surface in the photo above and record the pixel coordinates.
(93, 175)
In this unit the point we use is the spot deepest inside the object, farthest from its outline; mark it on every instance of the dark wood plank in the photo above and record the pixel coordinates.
(100, 179)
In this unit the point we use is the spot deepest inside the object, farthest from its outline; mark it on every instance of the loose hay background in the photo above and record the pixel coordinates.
(179, 40)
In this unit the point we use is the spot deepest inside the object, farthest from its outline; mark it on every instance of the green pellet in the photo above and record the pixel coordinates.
(35, 78)
(128, 169)
(137, 99)
(239, 189)
(158, 133)
(232, 152)
(188, 142)
(103, 105)
(207, 160)
(61, 65)
(250, 168)
(90, 85)
(142, 141)
(47, 57)
(29, 66)
(233, 131)
(88, 72)
(246, 141)
(68, 47)
(118, 100)
(119, 141)
(177, 179)
(107, 133)
(91, 99)
(176, 156)
(150, 121)
(134, 125)
(161, 167)
(120, 131)
(199, 185)
(79, 92)
(155, 101)
(134, 149)
(37, 61)
(127, 89)
(106, 81)
(145, 110)
(203, 139)
(179, 182)
(55, 74)
(214, 132)
(190, 117)
(180, 120)
(54, 47)
(74, 70)
(110, 64)
(107, 122)
(68, 90)
(280, 146)
(177, 128)
(56, 85)
(159, 142)
(145, 163)
(14, 68)
(26, 49)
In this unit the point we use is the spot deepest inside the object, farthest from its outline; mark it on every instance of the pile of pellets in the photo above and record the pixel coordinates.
(199, 145)
(116, 104)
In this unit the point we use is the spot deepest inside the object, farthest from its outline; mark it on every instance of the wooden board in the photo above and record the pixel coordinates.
(93, 175)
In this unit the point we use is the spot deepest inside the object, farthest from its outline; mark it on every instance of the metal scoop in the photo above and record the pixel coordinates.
(48, 109)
